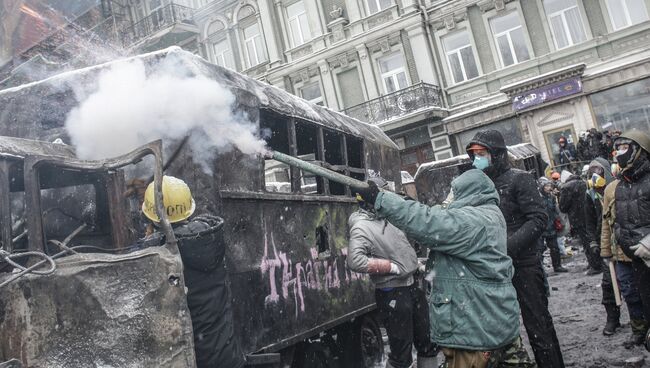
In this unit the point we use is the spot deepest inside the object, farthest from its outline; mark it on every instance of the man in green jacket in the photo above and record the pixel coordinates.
(474, 309)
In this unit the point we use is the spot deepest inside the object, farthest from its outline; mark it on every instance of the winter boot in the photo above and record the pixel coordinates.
(427, 362)
(613, 316)
(639, 329)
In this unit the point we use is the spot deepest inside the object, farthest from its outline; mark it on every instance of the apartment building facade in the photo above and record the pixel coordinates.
(429, 72)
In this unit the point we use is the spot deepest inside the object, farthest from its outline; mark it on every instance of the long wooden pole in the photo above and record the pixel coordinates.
(316, 170)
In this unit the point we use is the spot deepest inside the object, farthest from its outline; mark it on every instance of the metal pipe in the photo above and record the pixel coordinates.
(316, 170)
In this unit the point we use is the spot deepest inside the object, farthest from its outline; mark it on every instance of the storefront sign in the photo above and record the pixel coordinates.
(547, 93)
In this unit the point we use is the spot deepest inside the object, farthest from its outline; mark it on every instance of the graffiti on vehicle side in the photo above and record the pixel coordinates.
(312, 274)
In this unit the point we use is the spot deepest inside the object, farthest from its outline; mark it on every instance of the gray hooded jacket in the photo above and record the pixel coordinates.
(370, 238)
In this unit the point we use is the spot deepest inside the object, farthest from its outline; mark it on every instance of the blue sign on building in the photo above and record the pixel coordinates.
(547, 93)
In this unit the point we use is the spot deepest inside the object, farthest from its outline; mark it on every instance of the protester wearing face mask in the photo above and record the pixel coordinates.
(632, 204)
(521, 205)
(611, 252)
(598, 178)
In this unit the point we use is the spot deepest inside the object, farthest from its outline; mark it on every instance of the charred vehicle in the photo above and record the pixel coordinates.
(294, 299)
(433, 180)
(62, 306)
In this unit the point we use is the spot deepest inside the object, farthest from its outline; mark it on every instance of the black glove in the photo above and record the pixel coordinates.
(367, 195)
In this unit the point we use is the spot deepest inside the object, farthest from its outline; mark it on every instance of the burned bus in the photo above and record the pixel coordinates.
(294, 299)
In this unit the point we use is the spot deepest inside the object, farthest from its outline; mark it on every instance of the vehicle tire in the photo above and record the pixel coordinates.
(371, 342)
(361, 343)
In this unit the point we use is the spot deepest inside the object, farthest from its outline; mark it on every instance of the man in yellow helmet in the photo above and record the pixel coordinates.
(202, 249)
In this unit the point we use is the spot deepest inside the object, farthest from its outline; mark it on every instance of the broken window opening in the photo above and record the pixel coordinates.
(322, 241)
(307, 150)
(335, 155)
(277, 175)
(355, 152)
(67, 208)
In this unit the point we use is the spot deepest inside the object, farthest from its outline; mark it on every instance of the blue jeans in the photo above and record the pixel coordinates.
(630, 289)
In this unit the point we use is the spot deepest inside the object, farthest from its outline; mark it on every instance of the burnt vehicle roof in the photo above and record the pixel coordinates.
(51, 99)
(20, 148)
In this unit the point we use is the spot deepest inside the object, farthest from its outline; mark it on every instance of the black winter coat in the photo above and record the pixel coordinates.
(522, 207)
(202, 250)
(593, 217)
(551, 211)
(572, 201)
(633, 206)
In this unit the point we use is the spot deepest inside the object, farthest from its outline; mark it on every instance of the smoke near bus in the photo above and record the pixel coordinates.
(133, 105)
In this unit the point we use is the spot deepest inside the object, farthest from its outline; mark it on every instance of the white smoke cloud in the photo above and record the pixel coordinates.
(133, 106)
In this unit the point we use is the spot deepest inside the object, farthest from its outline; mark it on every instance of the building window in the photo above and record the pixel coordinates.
(623, 108)
(625, 13)
(312, 93)
(460, 56)
(375, 6)
(393, 73)
(565, 21)
(254, 45)
(222, 54)
(510, 39)
(298, 24)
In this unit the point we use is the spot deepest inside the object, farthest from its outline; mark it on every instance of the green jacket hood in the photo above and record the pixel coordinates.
(473, 188)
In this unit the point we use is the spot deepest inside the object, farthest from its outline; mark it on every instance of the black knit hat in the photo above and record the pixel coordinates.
(490, 139)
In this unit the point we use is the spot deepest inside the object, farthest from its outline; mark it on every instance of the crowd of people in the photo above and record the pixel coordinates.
(486, 245)
(591, 145)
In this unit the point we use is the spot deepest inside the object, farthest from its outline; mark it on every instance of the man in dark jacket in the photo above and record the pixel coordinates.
(202, 249)
(595, 147)
(598, 178)
(521, 205)
(567, 154)
(632, 203)
(572, 194)
(549, 236)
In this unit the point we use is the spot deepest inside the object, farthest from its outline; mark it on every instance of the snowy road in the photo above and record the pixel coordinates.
(579, 318)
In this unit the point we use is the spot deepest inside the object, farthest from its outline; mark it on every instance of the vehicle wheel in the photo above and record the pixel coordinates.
(360, 343)
(371, 344)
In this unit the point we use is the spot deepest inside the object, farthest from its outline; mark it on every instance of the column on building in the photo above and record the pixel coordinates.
(314, 14)
(354, 15)
(329, 90)
(422, 55)
(369, 80)
(283, 24)
(266, 17)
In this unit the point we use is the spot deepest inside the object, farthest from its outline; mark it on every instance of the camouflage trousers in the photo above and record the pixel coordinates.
(511, 356)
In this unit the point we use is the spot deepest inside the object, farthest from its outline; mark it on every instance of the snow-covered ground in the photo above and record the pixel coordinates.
(579, 318)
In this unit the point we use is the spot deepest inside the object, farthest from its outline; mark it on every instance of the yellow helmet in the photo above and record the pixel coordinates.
(177, 200)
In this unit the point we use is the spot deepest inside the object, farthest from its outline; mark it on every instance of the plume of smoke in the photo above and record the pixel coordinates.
(132, 106)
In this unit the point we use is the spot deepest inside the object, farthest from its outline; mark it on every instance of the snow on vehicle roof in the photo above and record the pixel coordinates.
(265, 96)
(517, 151)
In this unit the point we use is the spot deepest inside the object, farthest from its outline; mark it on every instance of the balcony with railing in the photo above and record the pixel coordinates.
(418, 97)
(173, 18)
